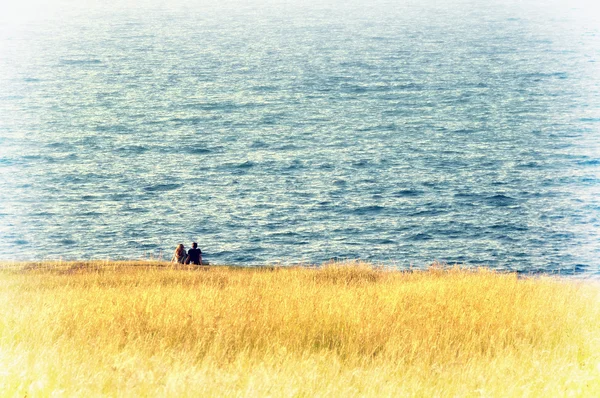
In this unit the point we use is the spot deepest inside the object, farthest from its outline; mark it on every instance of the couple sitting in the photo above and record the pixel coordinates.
(192, 256)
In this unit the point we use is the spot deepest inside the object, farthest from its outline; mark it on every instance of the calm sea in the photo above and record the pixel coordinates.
(398, 132)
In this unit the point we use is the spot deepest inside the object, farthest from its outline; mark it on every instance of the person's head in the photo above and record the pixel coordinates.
(180, 248)
(194, 245)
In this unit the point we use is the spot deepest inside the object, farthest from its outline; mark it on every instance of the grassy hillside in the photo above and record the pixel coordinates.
(131, 329)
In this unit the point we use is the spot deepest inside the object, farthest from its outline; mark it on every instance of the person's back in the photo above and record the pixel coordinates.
(194, 255)
(180, 255)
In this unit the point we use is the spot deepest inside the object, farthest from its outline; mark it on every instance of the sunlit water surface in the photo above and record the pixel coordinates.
(394, 132)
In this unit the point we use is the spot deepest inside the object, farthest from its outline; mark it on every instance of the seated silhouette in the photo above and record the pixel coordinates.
(194, 256)
(180, 255)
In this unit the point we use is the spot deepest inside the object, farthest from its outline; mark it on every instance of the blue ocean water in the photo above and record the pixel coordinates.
(274, 132)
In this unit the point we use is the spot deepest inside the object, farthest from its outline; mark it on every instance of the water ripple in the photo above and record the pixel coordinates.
(304, 133)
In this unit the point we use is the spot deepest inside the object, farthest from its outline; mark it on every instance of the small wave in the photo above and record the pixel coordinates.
(359, 89)
(360, 163)
(420, 236)
(259, 144)
(263, 88)
(187, 120)
(271, 120)
(500, 200)
(591, 180)
(555, 269)
(90, 214)
(563, 235)
(284, 234)
(581, 267)
(68, 242)
(212, 106)
(368, 210)
(246, 165)
(287, 147)
(162, 187)
(465, 195)
(499, 183)
(431, 212)
(378, 127)
(92, 61)
(240, 258)
(226, 106)
(119, 196)
(384, 242)
(30, 158)
(295, 165)
(71, 156)
(403, 193)
(196, 150)
(6, 162)
(410, 86)
(111, 128)
(300, 242)
(541, 75)
(450, 233)
(146, 246)
(135, 209)
(590, 162)
(11, 97)
(528, 165)
(132, 149)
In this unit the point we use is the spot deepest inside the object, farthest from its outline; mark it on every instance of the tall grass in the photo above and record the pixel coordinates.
(139, 329)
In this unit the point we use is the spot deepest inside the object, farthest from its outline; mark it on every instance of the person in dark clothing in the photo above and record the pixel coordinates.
(194, 255)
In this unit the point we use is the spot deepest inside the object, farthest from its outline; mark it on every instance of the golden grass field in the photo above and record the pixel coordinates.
(147, 329)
